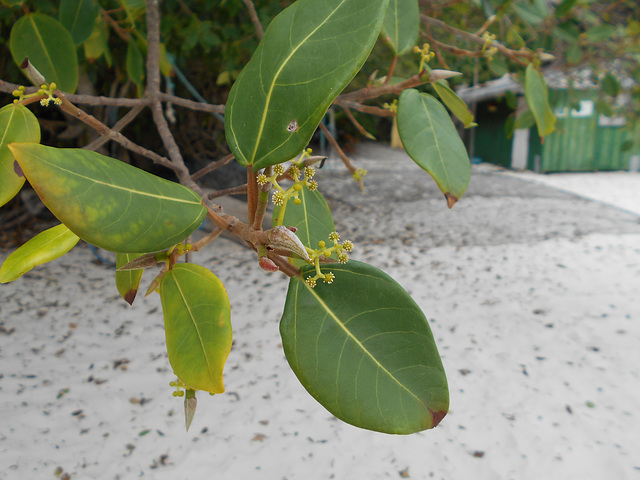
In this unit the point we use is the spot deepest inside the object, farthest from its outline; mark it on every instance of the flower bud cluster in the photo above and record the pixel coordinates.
(487, 49)
(340, 249)
(178, 385)
(281, 196)
(44, 91)
(426, 55)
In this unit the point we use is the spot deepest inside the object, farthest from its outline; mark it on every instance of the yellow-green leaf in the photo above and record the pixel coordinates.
(454, 103)
(108, 203)
(17, 124)
(127, 281)
(537, 95)
(42, 248)
(197, 325)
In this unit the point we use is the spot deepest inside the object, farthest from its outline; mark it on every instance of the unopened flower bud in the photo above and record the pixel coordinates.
(283, 238)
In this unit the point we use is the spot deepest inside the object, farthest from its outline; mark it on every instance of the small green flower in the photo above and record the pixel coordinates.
(262, 179)
(334, 236)
(278, 169)
(329, 278)
(348, 245)
(311, 282)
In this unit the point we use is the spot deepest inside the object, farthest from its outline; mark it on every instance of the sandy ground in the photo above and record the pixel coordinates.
(532, 295)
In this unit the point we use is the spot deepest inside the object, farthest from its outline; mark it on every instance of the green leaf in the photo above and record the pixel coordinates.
(108, 203)
(78, 17)
(537, 95)
(454, 103)
(601, 32)
(574, 53)
(97, 44)
(197, 325)
(432, 141)
(12, 3)
(127, 281)
(308, 54)
(610, 85)
(564, 7)
(49, 47)
(529, 12)
(135, 65)
(525, 120)
(42, 248)
(312, 217)
(363, 349)
(17, 124)
(401, 24)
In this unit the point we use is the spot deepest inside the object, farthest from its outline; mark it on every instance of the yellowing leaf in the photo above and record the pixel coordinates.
(17, 124)
(108, 203)
(197, 325)
(42, 248)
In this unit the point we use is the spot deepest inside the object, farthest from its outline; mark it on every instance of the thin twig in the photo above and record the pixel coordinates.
(239, 190)
(120, 124)
(98, 101)
(341, 154)
(515, 55)
(356, 124)
(254, 18)
(213, 166)
(103, 130)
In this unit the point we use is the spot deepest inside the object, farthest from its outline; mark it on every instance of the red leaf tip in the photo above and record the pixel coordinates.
(451, 199)
(437, 417)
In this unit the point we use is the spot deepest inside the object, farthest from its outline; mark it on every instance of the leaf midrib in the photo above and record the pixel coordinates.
(354, 339)
(117, 187)
(275, 79)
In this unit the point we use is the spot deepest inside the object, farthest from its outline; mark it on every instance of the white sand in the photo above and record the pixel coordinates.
(540, 342)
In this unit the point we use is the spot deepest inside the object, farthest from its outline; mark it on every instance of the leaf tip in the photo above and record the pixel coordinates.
(437, 417)
(451, 199)
(130, 296)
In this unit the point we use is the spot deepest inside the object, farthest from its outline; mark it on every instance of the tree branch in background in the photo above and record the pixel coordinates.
(120, 124)
(213, 166)
(514, 55)
(340, 152)
(254, 18)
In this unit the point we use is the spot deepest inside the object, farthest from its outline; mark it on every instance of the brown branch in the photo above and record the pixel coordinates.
(371, 110)
(513, 55)
(99, 101)
(392, 68)
(452, 48)
(252, 194)
(103, 130)
(356, 124)
(240, 189)
(254, 18)
(377, 91)
(120, 124)
(213, 166)
(341, 154)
